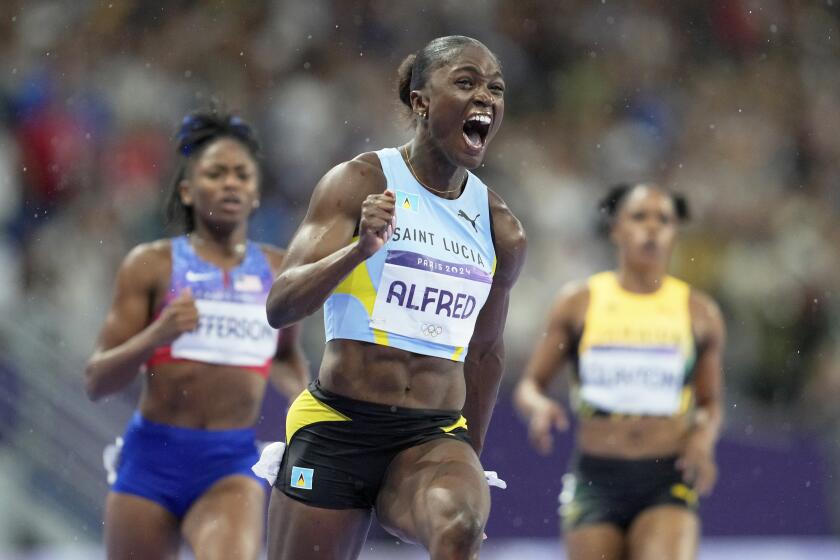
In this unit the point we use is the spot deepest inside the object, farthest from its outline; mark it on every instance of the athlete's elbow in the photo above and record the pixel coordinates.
(281, 314)
(487, 354)
(278, 313)
(276, 309)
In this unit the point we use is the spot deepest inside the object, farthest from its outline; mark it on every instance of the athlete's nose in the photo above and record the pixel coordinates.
(483, 97)
(232, 182)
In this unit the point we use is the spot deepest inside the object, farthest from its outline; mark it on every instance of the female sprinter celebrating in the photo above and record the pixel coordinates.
(647, 350)
(191, 309)
(413, 259)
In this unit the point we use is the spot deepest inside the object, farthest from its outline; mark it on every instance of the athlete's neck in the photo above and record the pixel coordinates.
(226, 244)
(641, 280)
(433, 170)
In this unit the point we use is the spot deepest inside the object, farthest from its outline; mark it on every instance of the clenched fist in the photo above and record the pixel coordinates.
(379, 218)
(178, 317)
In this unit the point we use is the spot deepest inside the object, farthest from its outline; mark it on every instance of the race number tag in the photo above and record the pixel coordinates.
(626, 380)
(429, 299)
(236, 334)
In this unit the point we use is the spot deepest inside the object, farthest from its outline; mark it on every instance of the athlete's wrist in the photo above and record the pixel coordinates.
(360, 251)
(703, 435)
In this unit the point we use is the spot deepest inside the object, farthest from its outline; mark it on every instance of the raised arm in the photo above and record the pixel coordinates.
(127, 339)
(322, 254)
(547, 360)
(483, 365)
(698, 458)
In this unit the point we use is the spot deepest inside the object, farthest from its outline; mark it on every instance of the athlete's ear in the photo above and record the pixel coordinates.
(184, 192)
(419, 104)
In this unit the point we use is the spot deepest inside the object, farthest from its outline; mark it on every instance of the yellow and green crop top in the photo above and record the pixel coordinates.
(637, 352)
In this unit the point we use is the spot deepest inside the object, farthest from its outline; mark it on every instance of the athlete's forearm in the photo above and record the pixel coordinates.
(707, 423)
(482, 374)
(302, 290)
(109, 371)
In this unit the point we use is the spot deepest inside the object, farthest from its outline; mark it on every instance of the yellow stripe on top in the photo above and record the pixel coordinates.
(306, 410)
(616, 317)
(461, 423)
(359, 285)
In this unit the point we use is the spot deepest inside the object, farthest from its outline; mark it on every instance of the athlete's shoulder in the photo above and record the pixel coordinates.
(364, 170)
(343, 188)
(703, 304)
(509, 236)
(503, 216)
(147, 254)
(706, 316)
(572, 300)
(148, 261)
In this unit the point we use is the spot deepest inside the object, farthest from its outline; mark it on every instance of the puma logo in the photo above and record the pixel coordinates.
(462, 214)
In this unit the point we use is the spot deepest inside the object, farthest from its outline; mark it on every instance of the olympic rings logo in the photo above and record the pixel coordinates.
(431, 330)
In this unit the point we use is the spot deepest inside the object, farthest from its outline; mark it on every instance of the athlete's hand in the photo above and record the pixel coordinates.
(379, 218)
(547, 416)
(697, 463)
(178, 317)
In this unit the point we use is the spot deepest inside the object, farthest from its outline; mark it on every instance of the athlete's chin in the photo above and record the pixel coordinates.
(471, 158)
(650, 260)
(223, 222)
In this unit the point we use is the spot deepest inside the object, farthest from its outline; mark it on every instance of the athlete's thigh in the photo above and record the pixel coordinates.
(138, 528)
(226, 522)
(297, 531)
(428, 483)
(667, 532)
(596, 541)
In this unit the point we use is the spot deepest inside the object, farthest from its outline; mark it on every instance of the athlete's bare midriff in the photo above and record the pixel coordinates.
(640, 437)
(202, 396)
(379, 374)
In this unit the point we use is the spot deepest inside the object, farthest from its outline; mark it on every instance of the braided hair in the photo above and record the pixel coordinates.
(197, 132)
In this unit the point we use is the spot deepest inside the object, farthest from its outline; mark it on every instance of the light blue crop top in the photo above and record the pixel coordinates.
(422, 292)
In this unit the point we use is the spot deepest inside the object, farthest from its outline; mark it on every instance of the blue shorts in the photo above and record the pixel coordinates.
(174, 466)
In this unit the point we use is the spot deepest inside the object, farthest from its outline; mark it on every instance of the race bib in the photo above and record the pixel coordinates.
(429, 299)
(236, 334)
(646, 381)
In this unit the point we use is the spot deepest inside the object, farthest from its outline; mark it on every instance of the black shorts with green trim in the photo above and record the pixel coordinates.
(616, 491)
(338, 449)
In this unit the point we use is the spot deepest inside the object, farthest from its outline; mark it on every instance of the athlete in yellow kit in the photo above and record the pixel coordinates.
(646, 349)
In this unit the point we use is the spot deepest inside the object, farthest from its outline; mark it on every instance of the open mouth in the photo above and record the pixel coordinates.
(650, 246)
(231, 202)
(476, 128)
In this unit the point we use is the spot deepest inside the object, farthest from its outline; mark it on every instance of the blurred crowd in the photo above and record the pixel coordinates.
(734, 103)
